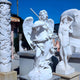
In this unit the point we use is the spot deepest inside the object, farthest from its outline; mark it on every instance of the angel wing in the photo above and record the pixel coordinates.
(27, 29)
(51, 28)
(51, 25)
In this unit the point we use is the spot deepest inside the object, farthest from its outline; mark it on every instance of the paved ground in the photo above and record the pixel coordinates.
(15, 64)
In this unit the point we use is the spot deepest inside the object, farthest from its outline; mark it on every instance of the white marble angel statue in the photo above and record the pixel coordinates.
(39, 35)
(69, 34)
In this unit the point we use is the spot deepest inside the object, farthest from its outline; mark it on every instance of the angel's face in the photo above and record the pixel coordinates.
(43, 15)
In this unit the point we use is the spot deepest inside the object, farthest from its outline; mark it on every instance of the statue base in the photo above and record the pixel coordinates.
(8, 75)
(73, 76)
(62, 69)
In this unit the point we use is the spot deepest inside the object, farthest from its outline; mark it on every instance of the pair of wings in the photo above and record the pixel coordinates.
(29, 31)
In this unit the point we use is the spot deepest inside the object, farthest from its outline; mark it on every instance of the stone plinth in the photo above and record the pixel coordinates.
(73, 76)
(8, 75)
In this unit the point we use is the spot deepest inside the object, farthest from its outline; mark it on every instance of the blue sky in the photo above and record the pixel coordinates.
(53, 7)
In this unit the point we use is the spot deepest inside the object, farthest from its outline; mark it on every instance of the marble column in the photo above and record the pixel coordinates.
(5, 36)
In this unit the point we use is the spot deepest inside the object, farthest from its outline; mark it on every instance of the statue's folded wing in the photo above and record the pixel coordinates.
(51, 28)
(51, 25)
(27, 29)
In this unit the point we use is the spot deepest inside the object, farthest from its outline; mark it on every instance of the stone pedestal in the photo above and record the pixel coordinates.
(62, 69)
(73, 76)
(8, 75)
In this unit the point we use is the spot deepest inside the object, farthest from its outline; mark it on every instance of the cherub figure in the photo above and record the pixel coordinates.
(41, 37)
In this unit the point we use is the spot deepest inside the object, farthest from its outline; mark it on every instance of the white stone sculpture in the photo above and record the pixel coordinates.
(40, 35)
(5, 36)
(69, 34)
(75, 36)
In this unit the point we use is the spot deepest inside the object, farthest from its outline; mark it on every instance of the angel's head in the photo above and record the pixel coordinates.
(43, 15)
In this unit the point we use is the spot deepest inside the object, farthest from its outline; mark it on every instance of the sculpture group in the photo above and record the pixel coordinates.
(40, 35)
